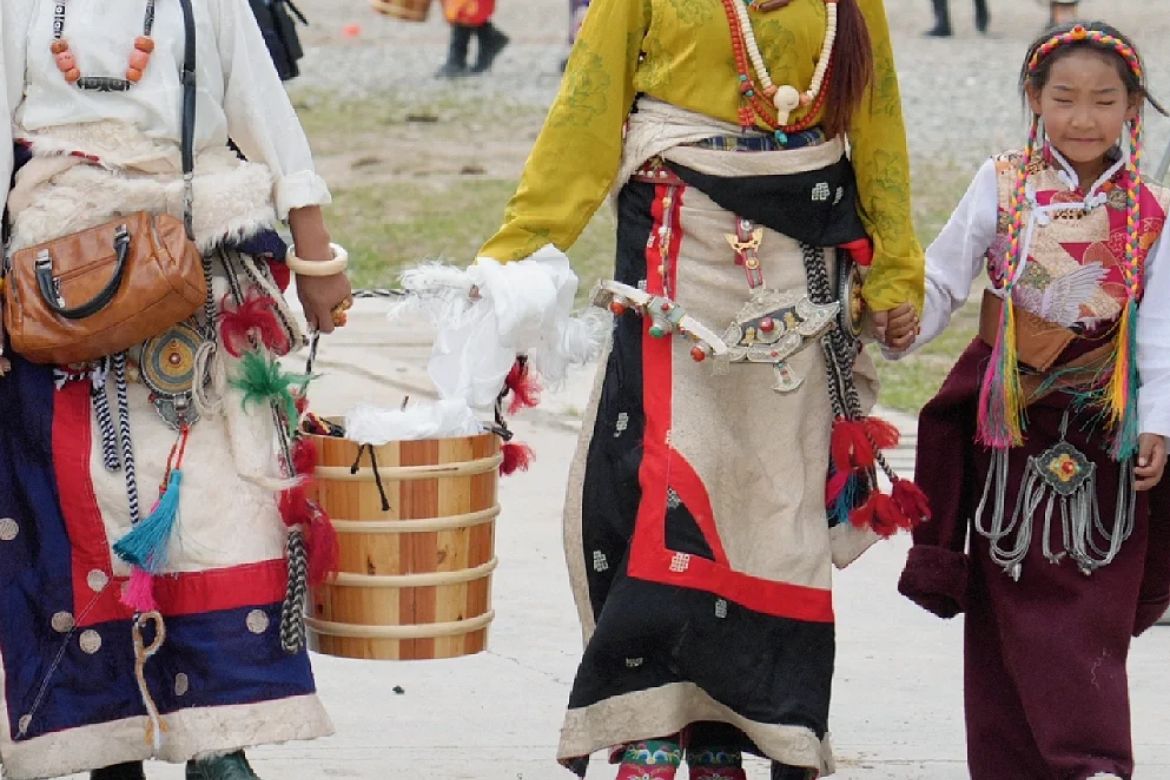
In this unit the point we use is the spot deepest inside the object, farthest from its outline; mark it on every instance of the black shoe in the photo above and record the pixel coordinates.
(456, 64)
(786, 772)
(233, 766)
(131, 770)
(942, 20)
(491, 43)
(452, 70)
(982, 16)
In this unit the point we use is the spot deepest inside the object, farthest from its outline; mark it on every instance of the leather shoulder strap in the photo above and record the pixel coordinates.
(187, 137)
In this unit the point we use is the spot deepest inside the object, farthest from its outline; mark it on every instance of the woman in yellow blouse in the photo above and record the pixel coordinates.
(699, 537)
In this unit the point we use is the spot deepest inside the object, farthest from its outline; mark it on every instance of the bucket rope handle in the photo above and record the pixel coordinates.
(357, 464)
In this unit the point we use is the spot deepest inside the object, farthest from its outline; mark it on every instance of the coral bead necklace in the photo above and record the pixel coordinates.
(776, 103)
(67, 63)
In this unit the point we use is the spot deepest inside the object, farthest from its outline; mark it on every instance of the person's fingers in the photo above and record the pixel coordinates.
(880, 320)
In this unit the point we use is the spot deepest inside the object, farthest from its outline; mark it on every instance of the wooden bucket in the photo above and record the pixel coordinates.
(407, 10)
(415, 580)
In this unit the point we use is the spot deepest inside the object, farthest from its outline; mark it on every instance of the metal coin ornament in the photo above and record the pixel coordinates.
(849, 286)
(168, 370)
(775, 325)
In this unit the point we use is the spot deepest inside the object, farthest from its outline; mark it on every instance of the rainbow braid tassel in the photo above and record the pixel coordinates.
(1001, 401)
(1123, 384)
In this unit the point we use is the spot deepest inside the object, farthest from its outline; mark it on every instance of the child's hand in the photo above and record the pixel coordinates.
(1151, 460)
(898, 327)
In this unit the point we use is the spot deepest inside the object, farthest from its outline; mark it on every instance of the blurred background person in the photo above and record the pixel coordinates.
(470, 18)
(942, 18)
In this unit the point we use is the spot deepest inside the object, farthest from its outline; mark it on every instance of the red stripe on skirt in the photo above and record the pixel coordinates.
(663, 467)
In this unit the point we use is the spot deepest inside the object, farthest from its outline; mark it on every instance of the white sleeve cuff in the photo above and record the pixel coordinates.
(303, 188)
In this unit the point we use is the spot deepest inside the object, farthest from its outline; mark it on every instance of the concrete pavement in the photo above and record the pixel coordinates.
(897, 709)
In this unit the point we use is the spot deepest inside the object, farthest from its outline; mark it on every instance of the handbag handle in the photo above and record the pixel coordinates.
(44, 273)
(187, 130)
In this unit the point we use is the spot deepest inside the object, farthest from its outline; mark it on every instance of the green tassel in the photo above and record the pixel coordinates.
(262, 380)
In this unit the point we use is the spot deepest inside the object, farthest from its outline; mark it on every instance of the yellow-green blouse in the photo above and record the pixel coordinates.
(679, 51)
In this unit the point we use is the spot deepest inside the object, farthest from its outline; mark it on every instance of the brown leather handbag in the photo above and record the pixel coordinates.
(105, 289)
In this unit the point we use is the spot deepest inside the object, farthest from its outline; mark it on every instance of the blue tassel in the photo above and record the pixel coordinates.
(849, 499)
(146, 544)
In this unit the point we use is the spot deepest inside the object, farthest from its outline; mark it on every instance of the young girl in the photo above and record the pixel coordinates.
(1059, 408)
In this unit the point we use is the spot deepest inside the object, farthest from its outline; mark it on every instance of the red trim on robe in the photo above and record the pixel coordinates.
(234, 587)
(664, 467)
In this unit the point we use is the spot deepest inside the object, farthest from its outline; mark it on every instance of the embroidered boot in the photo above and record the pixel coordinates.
(715, 764)
(233, 766)
(942, 20)
(653, 759)
(131, 770)
(491, 43)
(456, 64)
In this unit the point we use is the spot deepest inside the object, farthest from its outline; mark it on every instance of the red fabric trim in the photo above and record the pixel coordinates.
(178, 594)
(663, 467)
(72, 439)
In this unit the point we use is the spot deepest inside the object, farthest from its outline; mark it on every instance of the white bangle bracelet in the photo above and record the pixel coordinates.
(337, 265)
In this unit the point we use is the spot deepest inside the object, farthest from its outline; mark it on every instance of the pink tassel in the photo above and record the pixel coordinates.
(836, 486)
(517, 457)
(138, 592)
(911, 501)
(525, 388)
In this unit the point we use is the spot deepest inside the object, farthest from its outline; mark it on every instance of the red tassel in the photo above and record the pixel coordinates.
(255, 314)
(525, 387)
(304, 457)
(295, 507)
(881, 515)
(841, 445)
(138, 592)
(881, 433)
(849, 446)
(324, 551)
(912, 501)
(516, 457)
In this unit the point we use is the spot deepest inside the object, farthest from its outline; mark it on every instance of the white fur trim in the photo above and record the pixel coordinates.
(192, 733)
(56, 194)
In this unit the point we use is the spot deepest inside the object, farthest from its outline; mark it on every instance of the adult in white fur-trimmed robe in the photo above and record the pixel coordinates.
(221, 679)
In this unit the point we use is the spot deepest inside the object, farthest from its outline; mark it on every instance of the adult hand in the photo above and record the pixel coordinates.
(320, 295)
(1151, 460)
(896, 328)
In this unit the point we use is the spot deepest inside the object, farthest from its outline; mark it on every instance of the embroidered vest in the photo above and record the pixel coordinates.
(1073, 273)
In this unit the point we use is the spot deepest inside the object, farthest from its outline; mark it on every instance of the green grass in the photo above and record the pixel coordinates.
(395, 225)
(909, 383)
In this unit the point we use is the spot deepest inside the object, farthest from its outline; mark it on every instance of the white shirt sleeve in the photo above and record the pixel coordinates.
(1153, 343)
(956, 258)
(12, 37)
(261, 119)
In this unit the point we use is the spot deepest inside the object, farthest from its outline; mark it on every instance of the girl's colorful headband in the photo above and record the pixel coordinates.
(1080, 34)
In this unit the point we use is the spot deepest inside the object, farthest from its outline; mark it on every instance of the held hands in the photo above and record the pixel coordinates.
(1151, 461)
(896, 328)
